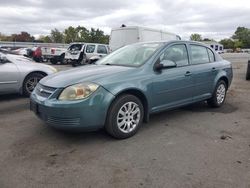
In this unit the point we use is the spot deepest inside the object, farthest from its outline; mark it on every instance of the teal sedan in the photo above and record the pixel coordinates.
(121, 90)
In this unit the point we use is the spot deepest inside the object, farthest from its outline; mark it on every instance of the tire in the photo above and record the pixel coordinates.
(27, 86)
(129, 123)
(74, 64)
(53, 61)
(62, 59)
(219, 95)
(248, 71)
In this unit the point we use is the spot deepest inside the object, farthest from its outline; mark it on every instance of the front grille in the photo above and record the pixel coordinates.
(63, 121)
(44, 91)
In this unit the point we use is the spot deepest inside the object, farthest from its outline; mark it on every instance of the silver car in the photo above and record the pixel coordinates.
(19, 74)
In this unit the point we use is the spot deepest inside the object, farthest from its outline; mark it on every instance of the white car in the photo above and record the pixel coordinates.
(84, 53)
(19, 74)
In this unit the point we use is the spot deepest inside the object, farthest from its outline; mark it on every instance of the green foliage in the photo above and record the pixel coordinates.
(56, 36)
(195, 37)
(81, 34)
(227, 43)
(45, 39)
(242, 34)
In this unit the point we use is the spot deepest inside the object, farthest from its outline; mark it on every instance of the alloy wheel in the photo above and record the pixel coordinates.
(128, 117)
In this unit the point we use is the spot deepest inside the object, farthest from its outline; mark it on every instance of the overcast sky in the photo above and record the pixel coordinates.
(213, 19)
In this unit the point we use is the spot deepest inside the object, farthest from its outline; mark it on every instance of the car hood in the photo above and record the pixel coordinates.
(26, 63)
(88, 73)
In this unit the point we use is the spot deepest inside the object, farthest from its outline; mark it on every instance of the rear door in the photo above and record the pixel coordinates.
(90, 50)
(204, 70)
(102, 50)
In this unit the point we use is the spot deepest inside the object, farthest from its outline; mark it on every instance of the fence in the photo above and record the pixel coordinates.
(7, 44)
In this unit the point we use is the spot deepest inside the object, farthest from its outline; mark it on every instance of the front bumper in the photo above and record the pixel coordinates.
(86, 114)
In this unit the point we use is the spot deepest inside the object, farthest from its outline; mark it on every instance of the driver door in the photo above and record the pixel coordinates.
(174, 86)
(9, 77)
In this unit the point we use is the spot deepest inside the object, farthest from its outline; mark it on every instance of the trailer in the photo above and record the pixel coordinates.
(128, 35)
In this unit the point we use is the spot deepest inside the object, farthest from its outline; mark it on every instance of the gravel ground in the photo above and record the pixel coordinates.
(195, 146)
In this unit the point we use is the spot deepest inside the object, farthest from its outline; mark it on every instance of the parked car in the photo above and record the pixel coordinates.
(19, 74)
(54, 55)
(124, 88)
(34, 53)
(123, 36)
(85, 53)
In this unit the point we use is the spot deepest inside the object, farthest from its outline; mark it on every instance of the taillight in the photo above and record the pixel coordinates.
(52, 51)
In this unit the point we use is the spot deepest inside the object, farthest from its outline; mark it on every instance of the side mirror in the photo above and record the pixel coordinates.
(165, 64)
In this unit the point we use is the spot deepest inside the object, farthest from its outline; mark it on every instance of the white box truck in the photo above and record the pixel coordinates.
(127, 35)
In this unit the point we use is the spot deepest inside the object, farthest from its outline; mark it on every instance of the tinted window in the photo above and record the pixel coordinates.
(101, 49)
(211, 55)
(199, 54)
(90, 48)
(176, 53)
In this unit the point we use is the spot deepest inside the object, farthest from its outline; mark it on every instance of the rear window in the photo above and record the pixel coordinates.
(101, 49)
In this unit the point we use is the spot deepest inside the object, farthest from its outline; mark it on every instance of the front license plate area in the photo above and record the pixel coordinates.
(34, 107)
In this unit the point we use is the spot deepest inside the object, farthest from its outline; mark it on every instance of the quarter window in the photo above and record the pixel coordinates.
(199, 54)
(176, 53)
(90, 48)
(101, 49)
(211, 55)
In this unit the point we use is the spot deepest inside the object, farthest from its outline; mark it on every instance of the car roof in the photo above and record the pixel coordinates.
(174, 41)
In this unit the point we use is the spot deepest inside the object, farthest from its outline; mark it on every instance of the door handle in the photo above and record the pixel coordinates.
(188, 73)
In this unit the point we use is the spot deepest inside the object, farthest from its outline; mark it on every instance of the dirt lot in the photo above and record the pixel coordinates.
(195, 146)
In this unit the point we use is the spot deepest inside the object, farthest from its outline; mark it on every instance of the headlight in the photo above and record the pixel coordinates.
(53, 69)
(78, 91)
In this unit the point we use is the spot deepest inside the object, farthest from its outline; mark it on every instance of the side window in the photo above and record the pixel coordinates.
(76, 47)
(101, 49)
(211, 55)
(90, 48)
(199, 54)
(176, 53)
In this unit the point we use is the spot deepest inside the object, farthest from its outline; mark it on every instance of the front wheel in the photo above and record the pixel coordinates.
(125, 117)
(30, 83)
(219, 95)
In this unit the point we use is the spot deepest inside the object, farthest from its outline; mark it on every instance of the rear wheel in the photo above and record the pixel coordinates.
(125, 117)
(53, 61)
(62, 58)
(219, 95)
(30, 83)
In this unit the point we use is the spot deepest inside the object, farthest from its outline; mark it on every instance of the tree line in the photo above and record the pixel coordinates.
(240, 39)
(70, 34)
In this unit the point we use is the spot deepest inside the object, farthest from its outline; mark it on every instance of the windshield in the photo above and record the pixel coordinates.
(131, 55)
